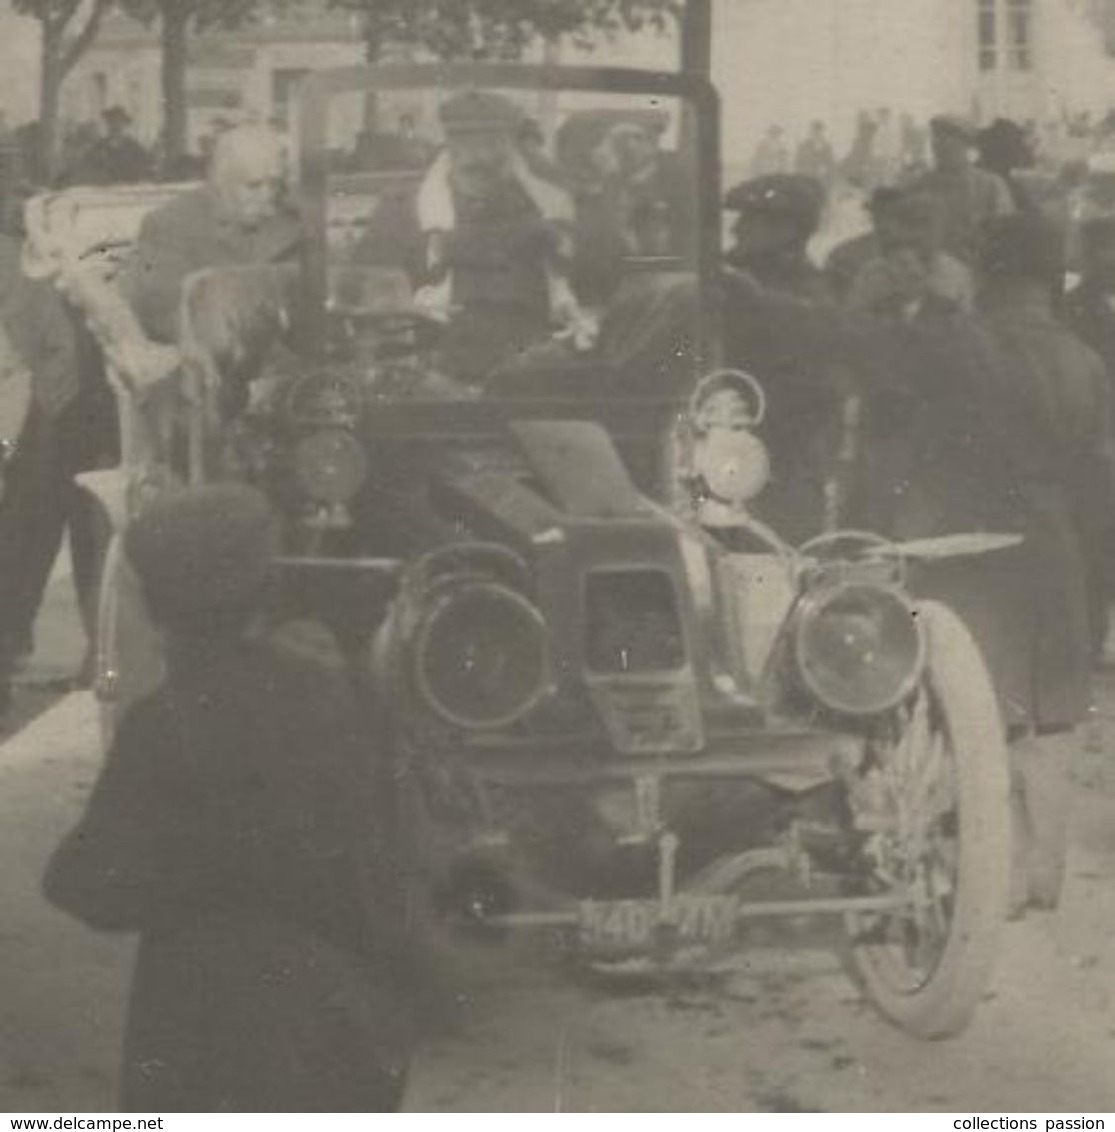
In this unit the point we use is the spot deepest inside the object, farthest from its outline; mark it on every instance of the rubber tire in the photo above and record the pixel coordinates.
(958, 675)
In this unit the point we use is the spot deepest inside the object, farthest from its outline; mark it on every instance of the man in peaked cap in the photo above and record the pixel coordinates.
(777, 216)
(233, 827)
(486, 241)
(966, 195)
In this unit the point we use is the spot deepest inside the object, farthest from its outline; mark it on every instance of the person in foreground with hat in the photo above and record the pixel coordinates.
(966, 195)
(488, 243)
(232, 827)
(776, 217)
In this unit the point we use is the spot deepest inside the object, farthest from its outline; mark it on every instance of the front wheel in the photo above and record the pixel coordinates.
(934, 801)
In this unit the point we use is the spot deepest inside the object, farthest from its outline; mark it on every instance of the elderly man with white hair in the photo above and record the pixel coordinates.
(237, 218)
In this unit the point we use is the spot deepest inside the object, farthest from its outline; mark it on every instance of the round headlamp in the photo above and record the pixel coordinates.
(734, 465)
(481, 655)
(727, 456)
(859, 648)
(330, 466)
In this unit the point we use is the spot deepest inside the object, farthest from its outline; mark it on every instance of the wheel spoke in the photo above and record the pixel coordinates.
(916, 844)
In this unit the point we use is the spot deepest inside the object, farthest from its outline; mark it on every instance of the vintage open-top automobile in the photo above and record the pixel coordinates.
(622, 710)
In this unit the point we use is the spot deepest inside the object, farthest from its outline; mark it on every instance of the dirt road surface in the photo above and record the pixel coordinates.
(784, 1031)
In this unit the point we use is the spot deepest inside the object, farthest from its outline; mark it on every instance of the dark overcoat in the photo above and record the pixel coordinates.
(233, 826)
(796, 346)
(954, 447)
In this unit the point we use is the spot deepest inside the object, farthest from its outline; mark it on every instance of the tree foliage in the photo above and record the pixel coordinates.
(197, 15)
(178, 20)
(69, 26)
(498, 29)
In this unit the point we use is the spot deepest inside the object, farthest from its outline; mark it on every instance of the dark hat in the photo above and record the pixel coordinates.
(791, 195)
(117, 114)
(480, 110)
(203, 550)
(1023, 245)
(1004, 145)
(954, 125)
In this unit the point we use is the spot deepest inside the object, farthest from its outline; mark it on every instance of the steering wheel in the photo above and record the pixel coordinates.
(392, 333)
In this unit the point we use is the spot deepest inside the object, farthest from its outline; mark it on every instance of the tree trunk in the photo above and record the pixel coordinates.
(176, 27)
(50, 97)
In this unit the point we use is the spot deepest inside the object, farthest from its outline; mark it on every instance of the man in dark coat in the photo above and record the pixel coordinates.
(233, 827)
(777, 216)
(70, 427)
(237, 218)
(955, 445)
(1090, 311)
(1060, 386)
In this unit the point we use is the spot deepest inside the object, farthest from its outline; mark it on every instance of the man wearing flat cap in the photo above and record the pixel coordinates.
(233, 828)
(966, 195)
(486, 241)
(776, 217)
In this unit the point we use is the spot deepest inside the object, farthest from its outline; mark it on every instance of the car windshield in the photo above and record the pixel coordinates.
(510, 232)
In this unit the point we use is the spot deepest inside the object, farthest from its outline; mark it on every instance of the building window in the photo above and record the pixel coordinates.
(1005, 34)
(1020, 29)
(987, 32)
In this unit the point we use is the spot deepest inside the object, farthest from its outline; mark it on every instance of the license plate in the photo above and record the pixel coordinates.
(636, 925)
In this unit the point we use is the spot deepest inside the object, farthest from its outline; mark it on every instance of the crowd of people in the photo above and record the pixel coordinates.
(888, 146)
(979, 390)
(939, 348)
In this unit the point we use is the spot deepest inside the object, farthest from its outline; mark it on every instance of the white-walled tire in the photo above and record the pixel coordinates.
(926, 969)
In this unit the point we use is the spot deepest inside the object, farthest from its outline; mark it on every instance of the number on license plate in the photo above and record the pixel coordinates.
(633, 924)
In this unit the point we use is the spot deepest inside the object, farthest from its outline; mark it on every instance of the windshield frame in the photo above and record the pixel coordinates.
(321, 88)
